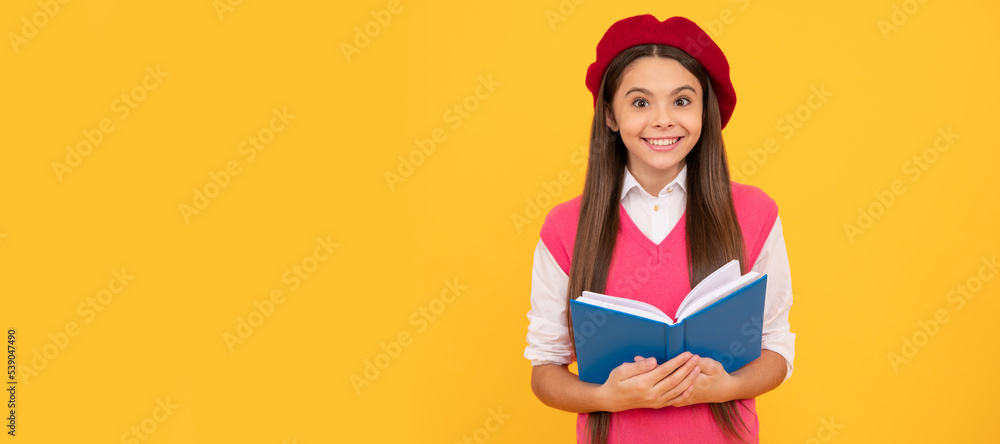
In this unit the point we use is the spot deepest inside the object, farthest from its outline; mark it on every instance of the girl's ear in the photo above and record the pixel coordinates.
(609, 119)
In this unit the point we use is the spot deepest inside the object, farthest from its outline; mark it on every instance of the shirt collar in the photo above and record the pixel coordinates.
(629, 183)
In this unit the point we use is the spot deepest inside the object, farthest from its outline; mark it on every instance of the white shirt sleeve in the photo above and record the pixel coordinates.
(773, 261)
(548, 336)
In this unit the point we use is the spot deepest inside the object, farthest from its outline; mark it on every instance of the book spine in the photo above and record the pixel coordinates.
(675, 340)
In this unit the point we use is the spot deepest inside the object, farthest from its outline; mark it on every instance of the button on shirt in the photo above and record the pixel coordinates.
(655, 216)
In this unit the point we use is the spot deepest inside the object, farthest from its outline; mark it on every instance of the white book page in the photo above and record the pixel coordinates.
(724, 275)
(709, 298)
(625, 305)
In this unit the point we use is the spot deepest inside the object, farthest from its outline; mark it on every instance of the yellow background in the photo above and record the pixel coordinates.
(324, 176)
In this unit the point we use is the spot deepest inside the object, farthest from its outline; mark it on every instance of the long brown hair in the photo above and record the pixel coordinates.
(713, 233)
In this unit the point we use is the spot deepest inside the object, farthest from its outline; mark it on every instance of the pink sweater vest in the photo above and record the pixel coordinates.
(657, 274)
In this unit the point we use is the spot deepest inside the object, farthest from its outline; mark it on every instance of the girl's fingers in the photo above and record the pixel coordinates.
(632, 369)
(674, 370)
(679, 394)
(681, 400)
(664, 370)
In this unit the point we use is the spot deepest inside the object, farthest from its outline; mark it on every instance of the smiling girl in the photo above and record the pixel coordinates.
(658, 213)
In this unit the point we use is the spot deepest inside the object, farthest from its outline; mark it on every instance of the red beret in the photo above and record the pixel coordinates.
(678, 32)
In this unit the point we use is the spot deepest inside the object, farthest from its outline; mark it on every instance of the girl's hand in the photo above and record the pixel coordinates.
(713, 384)
(643, 384)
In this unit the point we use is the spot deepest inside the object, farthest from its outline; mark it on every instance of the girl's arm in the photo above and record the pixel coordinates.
(559, 388)
(759, 376)
(774, 365)
(777, 336)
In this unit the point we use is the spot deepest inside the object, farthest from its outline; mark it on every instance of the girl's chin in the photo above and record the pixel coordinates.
(658, 166)
(661, 161)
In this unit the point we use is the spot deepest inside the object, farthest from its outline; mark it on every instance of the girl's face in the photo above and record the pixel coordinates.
(657, 110)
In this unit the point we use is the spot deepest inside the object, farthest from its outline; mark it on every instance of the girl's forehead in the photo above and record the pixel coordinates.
(657, 75)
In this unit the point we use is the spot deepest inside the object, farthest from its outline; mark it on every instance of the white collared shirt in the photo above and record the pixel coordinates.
(655, 216)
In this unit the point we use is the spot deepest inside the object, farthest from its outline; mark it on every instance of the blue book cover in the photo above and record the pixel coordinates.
(727, 329)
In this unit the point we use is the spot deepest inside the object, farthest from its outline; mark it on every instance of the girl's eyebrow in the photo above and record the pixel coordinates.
(672, 93)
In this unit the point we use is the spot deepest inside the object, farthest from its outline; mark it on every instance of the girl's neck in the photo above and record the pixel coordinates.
(652, 181)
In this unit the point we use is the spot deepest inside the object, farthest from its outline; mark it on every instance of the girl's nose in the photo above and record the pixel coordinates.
(663, 119)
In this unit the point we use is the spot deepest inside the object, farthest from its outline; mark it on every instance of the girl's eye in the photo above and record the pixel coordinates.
(640, 103)
(682, 101)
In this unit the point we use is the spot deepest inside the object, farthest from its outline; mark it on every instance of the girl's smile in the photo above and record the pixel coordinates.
(662, 143)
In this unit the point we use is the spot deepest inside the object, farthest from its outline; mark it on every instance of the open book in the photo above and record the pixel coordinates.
(720, 318)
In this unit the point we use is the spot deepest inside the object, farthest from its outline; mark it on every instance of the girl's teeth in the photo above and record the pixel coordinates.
(663, 142)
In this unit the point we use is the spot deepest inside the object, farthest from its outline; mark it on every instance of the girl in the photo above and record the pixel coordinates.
(662, 95)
